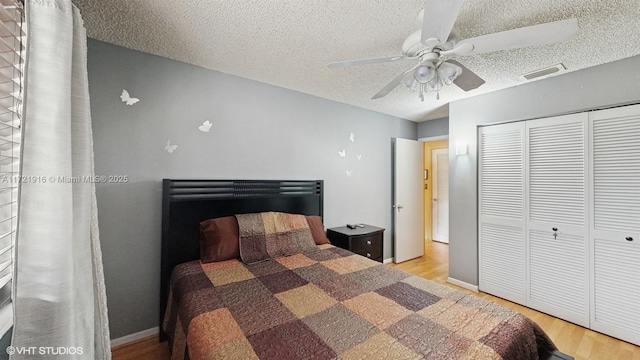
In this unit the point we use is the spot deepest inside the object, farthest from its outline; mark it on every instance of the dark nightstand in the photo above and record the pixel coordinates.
(365, 241)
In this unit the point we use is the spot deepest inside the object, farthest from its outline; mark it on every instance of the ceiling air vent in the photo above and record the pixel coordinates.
(546, 72)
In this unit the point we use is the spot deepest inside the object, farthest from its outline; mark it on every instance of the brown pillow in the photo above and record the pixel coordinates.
(219, 239)
(317, 229)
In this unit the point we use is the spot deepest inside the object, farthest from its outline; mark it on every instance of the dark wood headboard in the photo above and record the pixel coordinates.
(185, 203)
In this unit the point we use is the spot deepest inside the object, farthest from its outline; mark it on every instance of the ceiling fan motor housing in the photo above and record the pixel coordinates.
(412, 45)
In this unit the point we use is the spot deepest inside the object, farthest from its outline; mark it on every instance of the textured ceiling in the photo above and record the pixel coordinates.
(288, 43)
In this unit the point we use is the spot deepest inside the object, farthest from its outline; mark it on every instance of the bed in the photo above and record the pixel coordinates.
(313, 301)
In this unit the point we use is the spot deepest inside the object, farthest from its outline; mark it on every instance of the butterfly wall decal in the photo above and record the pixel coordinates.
(205, 127)
(359, 156)
(349, 172)
(352, 137)
(342, 153)
(170, 148)
(128, 99)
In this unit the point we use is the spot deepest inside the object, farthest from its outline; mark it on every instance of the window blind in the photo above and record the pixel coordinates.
(12, 39)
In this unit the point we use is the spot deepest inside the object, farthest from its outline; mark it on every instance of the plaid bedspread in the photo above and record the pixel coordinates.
(330, 304)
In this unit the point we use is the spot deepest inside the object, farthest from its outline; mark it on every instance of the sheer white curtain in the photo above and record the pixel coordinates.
(59, 294)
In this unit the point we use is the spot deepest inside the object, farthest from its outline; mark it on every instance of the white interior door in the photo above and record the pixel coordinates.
(440, 169)
(501, 211)
(408, 218)
(615, 222)
(557, 217)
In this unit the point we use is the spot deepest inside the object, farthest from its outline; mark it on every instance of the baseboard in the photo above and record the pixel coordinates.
(462, 284)
(387, 261)
(135, 336)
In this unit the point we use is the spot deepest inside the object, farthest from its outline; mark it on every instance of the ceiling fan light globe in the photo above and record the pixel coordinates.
(448, 72)
(410, 82)
(424, 74)
(434, 84)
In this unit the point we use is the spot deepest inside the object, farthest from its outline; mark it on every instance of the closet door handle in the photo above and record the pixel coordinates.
(629, 238)
(554, 229)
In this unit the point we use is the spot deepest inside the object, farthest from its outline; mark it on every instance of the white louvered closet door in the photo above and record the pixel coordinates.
(616, 222)
(502, 257)
(557, 217)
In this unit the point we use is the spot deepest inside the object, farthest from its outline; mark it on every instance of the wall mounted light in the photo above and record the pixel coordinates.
(461, 148)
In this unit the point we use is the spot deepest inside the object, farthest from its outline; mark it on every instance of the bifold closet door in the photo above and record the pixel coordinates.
(557, 213)
(502, 257)
(616, 222)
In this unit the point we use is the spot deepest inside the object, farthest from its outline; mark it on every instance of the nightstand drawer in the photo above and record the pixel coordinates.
(372, 253)
(366, 242)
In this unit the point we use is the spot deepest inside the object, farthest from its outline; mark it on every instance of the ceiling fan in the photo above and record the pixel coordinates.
(434, 47)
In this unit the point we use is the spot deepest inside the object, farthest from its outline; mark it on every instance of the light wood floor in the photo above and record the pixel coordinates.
(571, 339)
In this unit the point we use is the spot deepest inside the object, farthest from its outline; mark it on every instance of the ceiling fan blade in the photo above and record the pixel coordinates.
(368, 61)
(458, 49)
(468, 80)
(398, 79)
(438, 19)
(553, 32)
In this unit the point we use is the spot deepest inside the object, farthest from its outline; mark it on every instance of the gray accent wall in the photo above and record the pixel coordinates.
(258, 131)
(616, 83)
(432, 128)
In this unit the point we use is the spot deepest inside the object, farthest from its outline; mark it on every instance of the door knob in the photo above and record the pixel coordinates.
(434, 199)
(400, 207)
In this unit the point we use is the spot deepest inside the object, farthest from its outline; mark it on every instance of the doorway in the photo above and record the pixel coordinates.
(440, 195)
(436, 191)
